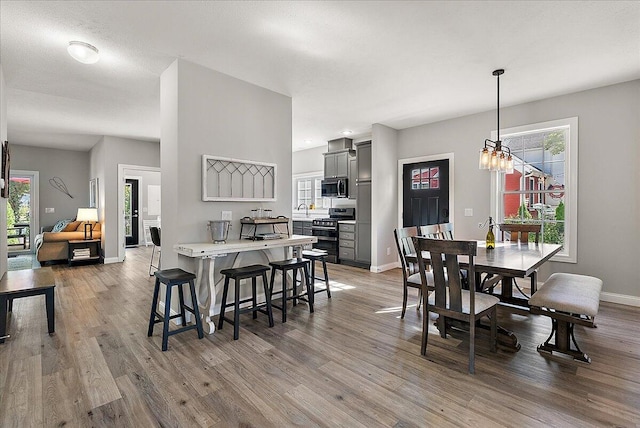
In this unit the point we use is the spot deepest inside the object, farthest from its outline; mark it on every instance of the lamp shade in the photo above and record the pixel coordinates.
(83, 52)
(87, 214)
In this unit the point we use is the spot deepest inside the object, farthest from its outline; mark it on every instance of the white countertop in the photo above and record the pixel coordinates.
(347, 222)
(207, 249)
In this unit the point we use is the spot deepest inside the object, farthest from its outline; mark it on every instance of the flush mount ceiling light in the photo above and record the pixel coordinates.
(496, 160)
(347, 132)
(83, 52)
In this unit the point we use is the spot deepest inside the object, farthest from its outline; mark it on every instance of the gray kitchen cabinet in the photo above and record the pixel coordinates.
(347, 242)
(353, 175)
(363, 203)
(336, 164)
(302, 227)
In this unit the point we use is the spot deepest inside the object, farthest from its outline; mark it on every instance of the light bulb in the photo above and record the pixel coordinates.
(484, 159)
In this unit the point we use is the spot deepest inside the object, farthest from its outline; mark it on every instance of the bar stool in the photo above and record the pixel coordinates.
(294, 265)
(171, 278)
(238, 274)
(318, 256)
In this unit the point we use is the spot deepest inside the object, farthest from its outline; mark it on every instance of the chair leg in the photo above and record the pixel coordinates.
(425, 332)
(167, 320)
(534, 281)
(404, 300)
(254, 298)
(310, 288)
(472, 345)
(183, 315)
(196, 310)
(153, 250)
(223, 304)
(154, 308)
(267, 296)
(284, 295)
(236, 310)
(326, 278)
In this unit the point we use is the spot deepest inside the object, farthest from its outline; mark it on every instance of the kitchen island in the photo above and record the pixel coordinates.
(205, 254)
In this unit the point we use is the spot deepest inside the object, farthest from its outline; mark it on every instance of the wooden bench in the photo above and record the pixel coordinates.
(25, 283)
(568, 299)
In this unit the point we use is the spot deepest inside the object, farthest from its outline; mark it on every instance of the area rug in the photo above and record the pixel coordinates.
(25, 261)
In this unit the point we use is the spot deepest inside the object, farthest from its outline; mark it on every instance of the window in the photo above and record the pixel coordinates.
(543, 187)
(307, 190)
(425, 178)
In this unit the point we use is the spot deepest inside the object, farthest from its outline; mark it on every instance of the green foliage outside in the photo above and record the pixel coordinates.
(11, 221)
(554, 142)
(553, 231)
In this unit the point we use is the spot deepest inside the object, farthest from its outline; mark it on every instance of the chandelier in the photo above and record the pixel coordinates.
(496, 160)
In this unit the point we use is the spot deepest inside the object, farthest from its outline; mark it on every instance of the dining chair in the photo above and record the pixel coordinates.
(446, 230)
(519, 232)
(155, 238)
(410, 274)
(449, 299)
(430, 231)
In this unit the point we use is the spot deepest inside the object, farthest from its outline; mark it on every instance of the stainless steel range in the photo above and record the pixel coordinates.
(326, 230)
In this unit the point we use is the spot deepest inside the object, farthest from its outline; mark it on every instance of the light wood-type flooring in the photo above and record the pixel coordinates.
(353, 363)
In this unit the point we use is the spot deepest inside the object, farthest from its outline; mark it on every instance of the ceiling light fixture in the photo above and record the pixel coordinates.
(496, 160)
(83, 52)
(347, 132)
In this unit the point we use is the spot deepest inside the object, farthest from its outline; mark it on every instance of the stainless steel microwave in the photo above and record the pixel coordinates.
(335, 188)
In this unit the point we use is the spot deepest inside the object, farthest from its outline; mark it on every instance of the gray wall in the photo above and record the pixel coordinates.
(106, 155)
(608, 177)
(70, 165)
(309, 160)
(207, 112)
(384, 189)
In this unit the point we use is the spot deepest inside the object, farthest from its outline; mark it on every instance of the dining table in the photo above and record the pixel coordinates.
(206, 253)
(507, 261)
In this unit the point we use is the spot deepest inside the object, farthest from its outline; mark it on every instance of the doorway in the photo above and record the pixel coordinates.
(22, 211)
(425, 190)
(131, 202)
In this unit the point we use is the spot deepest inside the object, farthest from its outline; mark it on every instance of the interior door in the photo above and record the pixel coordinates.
(131, 211)
(425, 198)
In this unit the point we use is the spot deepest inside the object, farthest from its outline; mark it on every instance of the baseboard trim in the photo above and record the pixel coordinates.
(109, 260)
(621, 299)
(382, 268)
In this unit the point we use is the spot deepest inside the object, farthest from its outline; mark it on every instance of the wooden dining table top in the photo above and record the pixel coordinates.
(516, 259)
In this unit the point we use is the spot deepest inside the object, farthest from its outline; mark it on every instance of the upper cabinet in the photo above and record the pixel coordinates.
(337, 164)
(363, 162)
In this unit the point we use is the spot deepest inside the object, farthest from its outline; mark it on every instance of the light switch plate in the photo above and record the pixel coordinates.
(227, 215)
(49, 210)
(468, 212)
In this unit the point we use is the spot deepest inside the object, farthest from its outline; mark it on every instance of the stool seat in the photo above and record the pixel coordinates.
(174, 275)
(174, 278)
(244, 271)
(238, 274)
(314, 254)
(290, 263)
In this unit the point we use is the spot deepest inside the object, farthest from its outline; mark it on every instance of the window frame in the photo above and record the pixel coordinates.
(321, 204)
(569, 254)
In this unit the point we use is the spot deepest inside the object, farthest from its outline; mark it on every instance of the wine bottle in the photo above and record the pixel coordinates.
(491, 239)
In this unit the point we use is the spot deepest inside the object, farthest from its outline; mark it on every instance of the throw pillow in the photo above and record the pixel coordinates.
(71, 227)
(60, 225)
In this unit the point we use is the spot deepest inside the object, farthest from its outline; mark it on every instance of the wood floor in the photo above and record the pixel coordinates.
(352, 363)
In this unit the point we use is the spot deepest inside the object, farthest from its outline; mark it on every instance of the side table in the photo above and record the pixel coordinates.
(76, 255)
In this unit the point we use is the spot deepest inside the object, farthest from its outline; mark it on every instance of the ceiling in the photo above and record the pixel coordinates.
(346, 65)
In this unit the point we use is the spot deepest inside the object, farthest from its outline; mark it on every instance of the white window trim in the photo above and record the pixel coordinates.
(312, 174)
(571, 194)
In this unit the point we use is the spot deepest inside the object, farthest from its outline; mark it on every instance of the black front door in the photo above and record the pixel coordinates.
(131, 211)
(425, 197)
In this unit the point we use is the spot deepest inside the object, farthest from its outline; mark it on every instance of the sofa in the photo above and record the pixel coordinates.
(54, 245)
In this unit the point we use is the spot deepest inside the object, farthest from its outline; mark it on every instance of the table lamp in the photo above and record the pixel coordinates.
(87, 215)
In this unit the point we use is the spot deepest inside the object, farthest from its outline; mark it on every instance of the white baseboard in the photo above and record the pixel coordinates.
(109, 260)
(382, 268)
(621, 299)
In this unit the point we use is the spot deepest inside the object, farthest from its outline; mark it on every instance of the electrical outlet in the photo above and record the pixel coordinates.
(227, 215)
(468, 212)
(388, 251)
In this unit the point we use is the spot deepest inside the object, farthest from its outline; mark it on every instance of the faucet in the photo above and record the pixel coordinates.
(306, 209)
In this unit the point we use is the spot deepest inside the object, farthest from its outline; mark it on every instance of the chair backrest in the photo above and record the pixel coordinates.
(430, 231)
(155, 235)
(404, 244)
(443, 258)
(520, 231)
(446, 231)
